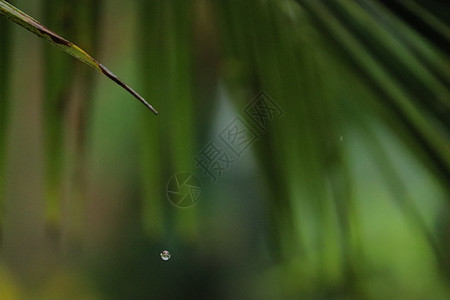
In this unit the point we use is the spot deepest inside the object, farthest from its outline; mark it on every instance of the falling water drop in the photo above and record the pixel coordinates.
(165, 255)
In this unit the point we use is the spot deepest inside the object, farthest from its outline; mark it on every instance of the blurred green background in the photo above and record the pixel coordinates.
(343, 196)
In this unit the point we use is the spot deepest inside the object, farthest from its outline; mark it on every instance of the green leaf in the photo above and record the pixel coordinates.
(37, 28)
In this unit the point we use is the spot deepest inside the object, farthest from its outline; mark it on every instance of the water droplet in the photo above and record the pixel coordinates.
(165, 255)
(341, 138)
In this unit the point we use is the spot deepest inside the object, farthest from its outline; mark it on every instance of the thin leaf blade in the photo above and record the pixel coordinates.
(24, 20)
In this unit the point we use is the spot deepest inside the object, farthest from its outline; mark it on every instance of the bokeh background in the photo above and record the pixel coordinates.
(345, 195)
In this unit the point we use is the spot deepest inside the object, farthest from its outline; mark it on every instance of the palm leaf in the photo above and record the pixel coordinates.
(37, 28)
